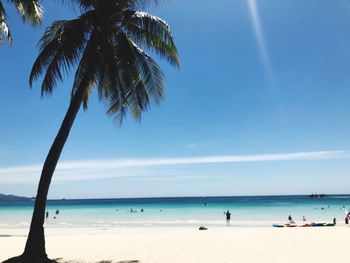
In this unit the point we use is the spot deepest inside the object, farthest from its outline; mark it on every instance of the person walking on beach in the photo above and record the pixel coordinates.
(228, 217)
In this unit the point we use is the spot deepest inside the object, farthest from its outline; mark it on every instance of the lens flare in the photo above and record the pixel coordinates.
(259, 34)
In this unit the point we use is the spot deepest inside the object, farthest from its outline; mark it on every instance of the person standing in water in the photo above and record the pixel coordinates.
(290, 219)
(228, 217)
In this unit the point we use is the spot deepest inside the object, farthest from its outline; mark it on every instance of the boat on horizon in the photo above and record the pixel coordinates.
(317, 195)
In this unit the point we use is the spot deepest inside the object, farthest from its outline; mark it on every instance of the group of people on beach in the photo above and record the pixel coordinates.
(135, 211)
(347, 219)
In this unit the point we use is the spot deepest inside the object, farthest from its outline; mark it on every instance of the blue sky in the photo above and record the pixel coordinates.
(259, 106)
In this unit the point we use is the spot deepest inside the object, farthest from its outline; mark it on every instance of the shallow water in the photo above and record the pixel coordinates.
(246, 211)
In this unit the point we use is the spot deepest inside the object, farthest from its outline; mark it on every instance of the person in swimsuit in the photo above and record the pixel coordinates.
(228, 217)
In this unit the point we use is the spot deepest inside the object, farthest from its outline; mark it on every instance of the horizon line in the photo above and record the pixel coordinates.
(185, 196)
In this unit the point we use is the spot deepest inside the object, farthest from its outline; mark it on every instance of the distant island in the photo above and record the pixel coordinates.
(13, 198)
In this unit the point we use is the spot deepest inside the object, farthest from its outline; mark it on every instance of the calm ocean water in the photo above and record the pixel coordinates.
(179, 211)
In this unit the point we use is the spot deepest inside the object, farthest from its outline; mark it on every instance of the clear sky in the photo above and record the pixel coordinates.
(261, 105)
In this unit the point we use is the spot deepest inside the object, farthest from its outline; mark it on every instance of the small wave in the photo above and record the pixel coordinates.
(65, 224)
(23, 224)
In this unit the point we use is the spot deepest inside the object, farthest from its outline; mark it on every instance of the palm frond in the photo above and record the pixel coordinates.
(61, 47)
(152, 76)
(4, 29)
(29, 10)
(152, 33)
(142, 4)
(85, 76)
(87, 71)
(111, 89)
(83, 5)
(139, 78)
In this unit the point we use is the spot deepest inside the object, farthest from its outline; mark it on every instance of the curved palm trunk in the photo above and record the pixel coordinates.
(35, 246)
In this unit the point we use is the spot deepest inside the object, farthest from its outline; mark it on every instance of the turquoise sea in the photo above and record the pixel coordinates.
(179, 211)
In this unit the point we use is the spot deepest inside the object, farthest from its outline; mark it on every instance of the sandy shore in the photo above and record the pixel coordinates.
(186, 244)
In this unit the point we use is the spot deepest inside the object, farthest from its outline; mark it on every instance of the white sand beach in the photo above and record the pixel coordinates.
(186, 244)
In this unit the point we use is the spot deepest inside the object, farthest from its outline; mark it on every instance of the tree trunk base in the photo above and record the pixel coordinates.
(26, 259)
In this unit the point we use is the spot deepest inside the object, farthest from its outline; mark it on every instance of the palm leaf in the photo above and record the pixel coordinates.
(113, 91)
(152, 76)
(87, 71)
(110, 87)
(142, 4)
(152, 33)
(4, 29)
(85, 77)
(61, 48)
(29, 10)
(84, 5)
(133, 74)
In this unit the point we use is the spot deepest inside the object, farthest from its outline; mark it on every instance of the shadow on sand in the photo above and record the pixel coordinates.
(60, 260)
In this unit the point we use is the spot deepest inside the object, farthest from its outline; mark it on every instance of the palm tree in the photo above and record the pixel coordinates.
(105, 44)
(30, 10)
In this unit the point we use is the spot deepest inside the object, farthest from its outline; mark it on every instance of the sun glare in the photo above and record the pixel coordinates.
(259, 34)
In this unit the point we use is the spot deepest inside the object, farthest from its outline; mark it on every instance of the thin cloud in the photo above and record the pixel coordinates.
(112, 168)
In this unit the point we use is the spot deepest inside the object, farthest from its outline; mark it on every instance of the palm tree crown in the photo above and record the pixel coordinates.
(30, 10)
(107, 44)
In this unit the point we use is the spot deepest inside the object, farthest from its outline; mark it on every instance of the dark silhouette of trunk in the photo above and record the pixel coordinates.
(35, 251)
(35, 246)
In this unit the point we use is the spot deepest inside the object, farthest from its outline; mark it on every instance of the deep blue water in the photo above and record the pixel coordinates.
(217, 200)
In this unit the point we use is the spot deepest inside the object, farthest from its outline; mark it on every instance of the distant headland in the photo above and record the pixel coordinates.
(14, 198)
